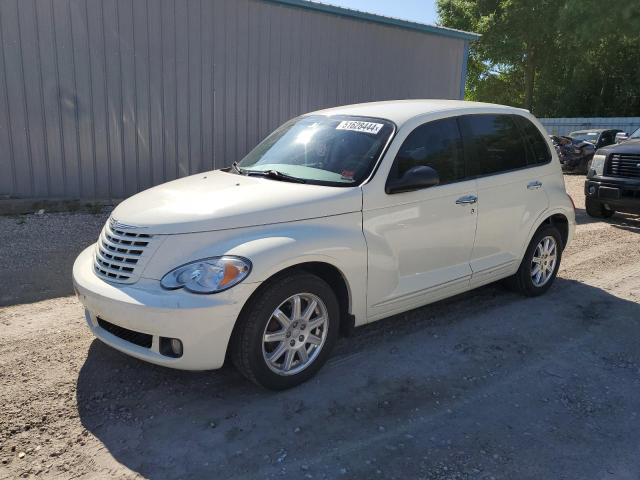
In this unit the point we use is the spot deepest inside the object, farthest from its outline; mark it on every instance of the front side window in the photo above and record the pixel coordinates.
(606, 139)
(494, 143)
(338, 151)
(435, 144)
(635, 134)
(539, 148)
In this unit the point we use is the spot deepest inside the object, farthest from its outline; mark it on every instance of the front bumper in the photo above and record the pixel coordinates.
(619, 194)
(203, 323)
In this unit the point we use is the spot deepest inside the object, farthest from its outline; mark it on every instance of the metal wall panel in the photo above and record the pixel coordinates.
(104, 98)
(564, 126)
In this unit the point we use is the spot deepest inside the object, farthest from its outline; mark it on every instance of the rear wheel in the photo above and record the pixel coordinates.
(597, 209)
(540, 264)
(287, 332)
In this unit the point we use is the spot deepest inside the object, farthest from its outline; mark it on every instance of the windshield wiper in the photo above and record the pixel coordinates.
(237, 169)
(274, 174)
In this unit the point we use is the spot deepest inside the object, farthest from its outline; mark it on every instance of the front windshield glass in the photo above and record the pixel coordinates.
(635, 134)
(585, 136)
(339, 150)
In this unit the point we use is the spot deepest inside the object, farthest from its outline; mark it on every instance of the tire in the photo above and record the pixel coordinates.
(597, 209)
(524, 280)
(251, 349)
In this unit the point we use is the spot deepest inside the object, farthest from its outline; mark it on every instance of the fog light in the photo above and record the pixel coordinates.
(170, 347)
(592, 189)
(176, 346)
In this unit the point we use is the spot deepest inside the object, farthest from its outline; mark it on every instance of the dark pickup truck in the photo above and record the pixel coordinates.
(613, 179)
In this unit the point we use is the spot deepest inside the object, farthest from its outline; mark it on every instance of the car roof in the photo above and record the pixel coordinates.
(401, 111)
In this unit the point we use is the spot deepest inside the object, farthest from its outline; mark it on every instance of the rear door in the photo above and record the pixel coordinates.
(511, 193)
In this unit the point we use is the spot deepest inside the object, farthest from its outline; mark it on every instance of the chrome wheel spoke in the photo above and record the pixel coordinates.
(314, 340)
(278, 336)
(277, 353)
(296, 308)
(282, 318)
(316, 322)
(288, 360)
(306, 316)
(302, 353)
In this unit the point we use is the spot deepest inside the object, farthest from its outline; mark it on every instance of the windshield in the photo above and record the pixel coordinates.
(585, 136)
(339, 150)
(635, 134)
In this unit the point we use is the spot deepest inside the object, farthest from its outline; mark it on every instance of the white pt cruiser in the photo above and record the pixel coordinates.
(339, 218)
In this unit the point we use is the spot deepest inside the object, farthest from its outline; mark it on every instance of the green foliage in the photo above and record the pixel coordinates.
(554, 57)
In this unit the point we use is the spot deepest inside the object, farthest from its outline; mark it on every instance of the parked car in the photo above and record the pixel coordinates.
(599, 137)
(624, 136)
(339, 218)
(613, 181)
(574, 155)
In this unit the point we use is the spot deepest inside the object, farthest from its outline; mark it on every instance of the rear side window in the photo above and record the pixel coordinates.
(435, 144)
(539, 149)
(494, 143)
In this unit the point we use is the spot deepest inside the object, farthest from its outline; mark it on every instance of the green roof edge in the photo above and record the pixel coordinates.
(381, 19)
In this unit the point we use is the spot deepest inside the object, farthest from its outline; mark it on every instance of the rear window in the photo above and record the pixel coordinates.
(494, 143)
(539, 148)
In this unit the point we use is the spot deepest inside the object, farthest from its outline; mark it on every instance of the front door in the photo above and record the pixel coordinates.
(420, 242)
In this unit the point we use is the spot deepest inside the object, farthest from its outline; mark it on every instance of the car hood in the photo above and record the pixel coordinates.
(220, 200)
(628, 146)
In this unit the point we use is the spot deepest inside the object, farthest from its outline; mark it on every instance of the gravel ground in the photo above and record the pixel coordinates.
(37, 253)
(485, 385)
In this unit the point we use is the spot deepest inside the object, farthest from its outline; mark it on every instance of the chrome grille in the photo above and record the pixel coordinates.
(120, 252)
(623, 165)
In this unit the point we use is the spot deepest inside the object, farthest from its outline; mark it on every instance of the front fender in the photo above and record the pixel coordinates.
(336, 240)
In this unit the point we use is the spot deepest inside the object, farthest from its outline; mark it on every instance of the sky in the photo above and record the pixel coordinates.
(421, 11)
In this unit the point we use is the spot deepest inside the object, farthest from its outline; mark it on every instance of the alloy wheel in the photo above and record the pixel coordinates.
(295, 334)
(544, 260)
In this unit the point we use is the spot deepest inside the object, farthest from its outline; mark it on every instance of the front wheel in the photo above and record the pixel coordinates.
(287, 332)
(597, 209)
(540, 264)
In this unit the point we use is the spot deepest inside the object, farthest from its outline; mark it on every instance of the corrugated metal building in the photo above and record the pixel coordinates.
(103, 98)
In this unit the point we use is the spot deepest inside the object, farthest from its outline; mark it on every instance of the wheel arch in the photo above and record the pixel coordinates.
(328, 272)
(557, 218)
(561, 222)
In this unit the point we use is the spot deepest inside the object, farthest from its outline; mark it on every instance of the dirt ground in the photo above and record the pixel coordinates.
(488, 385)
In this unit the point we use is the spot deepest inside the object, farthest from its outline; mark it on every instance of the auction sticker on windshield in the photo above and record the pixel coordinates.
(355, 126)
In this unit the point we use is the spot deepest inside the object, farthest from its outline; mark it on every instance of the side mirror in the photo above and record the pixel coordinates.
(416, 178)
(621, 137)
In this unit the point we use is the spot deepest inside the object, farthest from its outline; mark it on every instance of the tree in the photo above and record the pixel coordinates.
(553, 57)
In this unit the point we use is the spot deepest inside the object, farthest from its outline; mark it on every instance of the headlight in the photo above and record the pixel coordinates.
(209, 275)
(597, 164)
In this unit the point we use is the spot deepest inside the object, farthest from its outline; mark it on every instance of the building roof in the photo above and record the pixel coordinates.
(381, 19)
(401, 111)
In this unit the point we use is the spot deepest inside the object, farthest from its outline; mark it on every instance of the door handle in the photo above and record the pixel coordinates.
(534, 185)
(467, 200)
